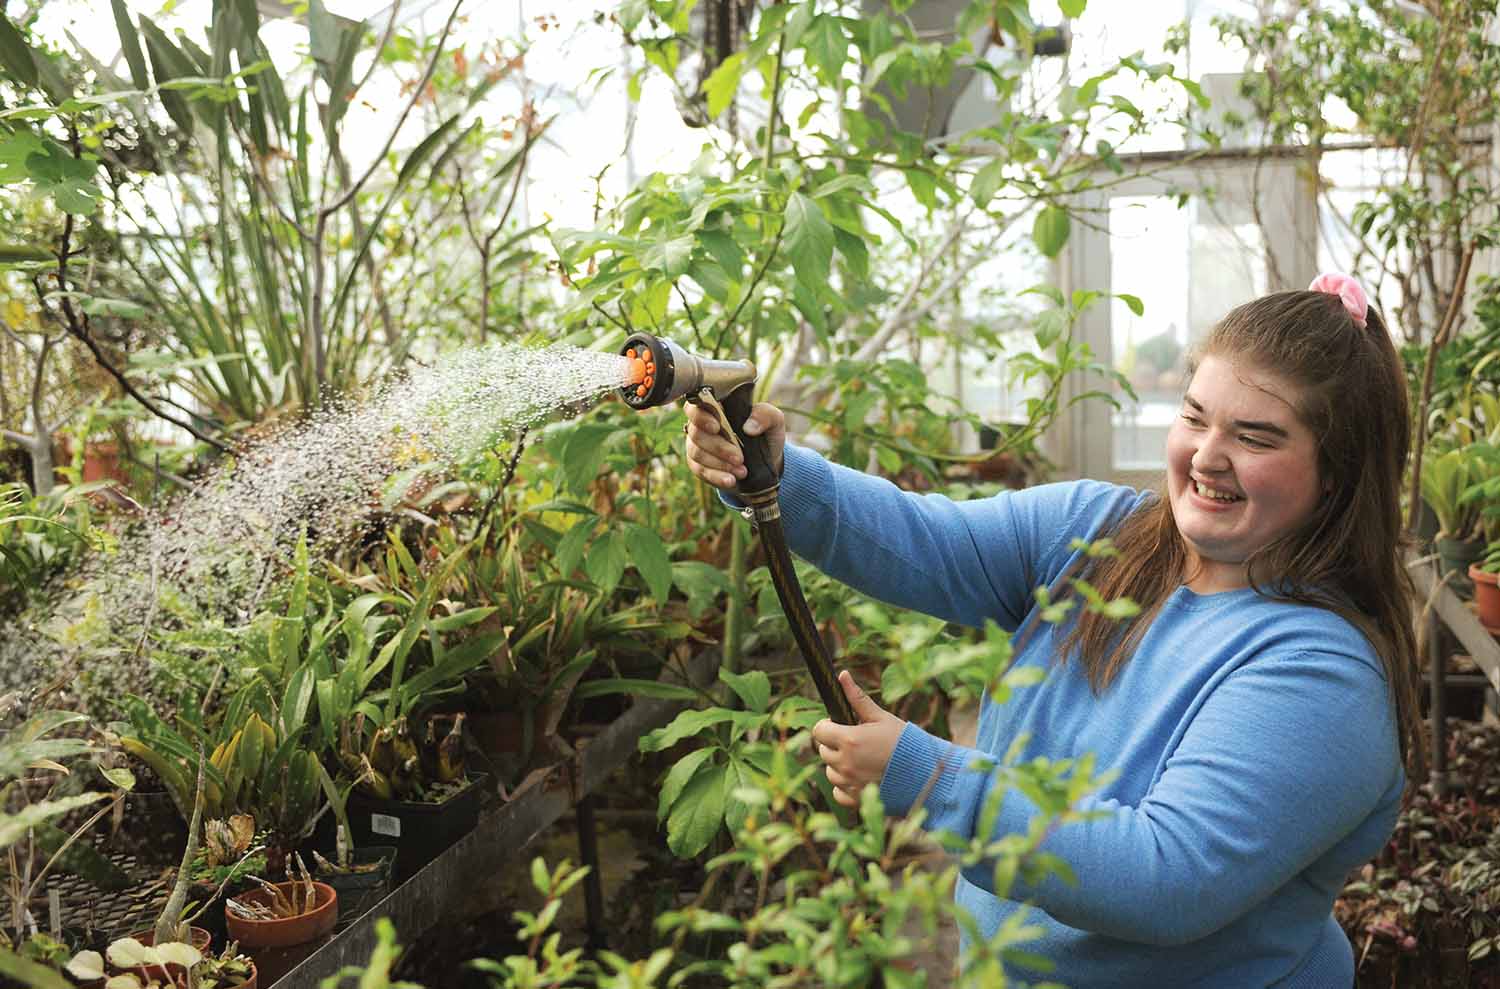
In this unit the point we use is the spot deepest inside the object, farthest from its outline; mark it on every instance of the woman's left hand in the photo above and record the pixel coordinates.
(857, 754)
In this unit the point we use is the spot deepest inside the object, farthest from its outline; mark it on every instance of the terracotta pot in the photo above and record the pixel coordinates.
(284, 932)
(1486, 598)
(101, 460)
(198, 937)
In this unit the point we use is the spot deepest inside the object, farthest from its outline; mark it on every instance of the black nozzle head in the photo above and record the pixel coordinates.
(652, 370)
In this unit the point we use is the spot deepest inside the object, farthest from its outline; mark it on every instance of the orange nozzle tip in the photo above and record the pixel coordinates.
(650, 367)
(640, 391)
(637, 370)
(630, 353)
(649, 381)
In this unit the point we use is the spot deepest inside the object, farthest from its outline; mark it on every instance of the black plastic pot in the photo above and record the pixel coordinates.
(359, 891)
(421, 831)
(1455, 556)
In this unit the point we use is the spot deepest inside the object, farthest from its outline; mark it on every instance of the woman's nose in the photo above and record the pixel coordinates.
(1212, 454)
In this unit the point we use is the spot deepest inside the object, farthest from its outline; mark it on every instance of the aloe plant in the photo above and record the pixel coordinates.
(1444, 479)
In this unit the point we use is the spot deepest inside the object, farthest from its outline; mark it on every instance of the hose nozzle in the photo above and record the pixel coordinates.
(662, 372)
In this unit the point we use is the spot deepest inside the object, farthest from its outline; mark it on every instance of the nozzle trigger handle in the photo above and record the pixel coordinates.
(759, 474)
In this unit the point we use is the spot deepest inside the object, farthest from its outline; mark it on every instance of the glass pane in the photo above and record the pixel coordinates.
(1188, 266)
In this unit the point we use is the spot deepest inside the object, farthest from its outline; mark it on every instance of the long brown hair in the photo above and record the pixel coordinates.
(1347, 557)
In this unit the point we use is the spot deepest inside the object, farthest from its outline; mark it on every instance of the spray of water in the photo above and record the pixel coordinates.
(214, 548)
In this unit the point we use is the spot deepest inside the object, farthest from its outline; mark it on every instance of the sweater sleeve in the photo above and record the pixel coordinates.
(1287, 756)
(964, 562)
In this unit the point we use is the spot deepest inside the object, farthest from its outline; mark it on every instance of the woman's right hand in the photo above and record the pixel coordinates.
(716, 458)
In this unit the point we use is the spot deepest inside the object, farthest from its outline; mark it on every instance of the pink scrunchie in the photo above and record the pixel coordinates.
(1348, 291)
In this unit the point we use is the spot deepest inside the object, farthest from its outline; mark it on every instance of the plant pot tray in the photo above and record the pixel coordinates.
(493, 846)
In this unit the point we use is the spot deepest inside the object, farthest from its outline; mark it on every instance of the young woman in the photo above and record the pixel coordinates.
(1257, 711)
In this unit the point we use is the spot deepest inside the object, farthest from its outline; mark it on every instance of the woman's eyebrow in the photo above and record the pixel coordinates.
(1253, 425)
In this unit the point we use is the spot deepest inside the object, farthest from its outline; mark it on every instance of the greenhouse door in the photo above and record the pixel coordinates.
(1189, 243)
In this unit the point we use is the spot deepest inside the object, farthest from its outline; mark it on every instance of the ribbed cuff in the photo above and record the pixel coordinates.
(918, 759)
(804, 475)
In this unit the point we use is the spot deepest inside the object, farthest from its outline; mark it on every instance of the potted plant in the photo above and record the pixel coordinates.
(173, 925)
(407, 767)
(1486, 577)
(165, 954)
(130, 964)
(424, 802)
(224, 866)
(361, 876)
(1445, 480)
(281, 924)
(229, 969)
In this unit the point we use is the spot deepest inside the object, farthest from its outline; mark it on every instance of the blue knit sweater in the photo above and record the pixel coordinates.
(1254, 740)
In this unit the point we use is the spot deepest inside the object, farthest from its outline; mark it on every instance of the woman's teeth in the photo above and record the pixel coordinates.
(1213, 493)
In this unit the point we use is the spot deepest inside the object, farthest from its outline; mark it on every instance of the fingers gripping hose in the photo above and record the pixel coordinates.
(663, 372)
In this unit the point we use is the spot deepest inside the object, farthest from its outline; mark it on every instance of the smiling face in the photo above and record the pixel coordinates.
(1242, 470)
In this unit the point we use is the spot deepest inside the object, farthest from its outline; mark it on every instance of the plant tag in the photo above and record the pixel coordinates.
(385, 824)
(54, 911)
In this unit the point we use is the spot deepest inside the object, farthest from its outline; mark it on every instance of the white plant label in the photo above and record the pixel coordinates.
(385, 824)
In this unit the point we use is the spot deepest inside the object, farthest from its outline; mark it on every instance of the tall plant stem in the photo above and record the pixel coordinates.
(769, 151)
(1429, 366)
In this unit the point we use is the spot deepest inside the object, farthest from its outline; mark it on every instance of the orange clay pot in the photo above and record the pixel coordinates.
(287, 931)
(1486, 598)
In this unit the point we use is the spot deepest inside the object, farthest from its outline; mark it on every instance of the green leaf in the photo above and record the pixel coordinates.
(677, 779)
(1072, 8)
(856, 255)
(752, 687)
(828, 46)
(631, 12)
(710, 277)
(123, 308)
(539, 876)
(1133, 302)
(23, 971)
(1050, 324)
(725, 249)
(698, 814)
(297, 700)
(68, 180)
(669, 255)
(13, 827)
(606, 560)
(130, 45)
(570, 548)
(685, 725)
(79, 859)
(721, 85)
(809, 241)
(583, 453)
(1050, 231)
(923, 187)
(635, 687)
(701, 582)
(168, 63)
(15, 149)
(987, 182)
(649, 556)
(15, 53)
